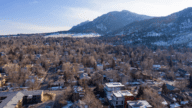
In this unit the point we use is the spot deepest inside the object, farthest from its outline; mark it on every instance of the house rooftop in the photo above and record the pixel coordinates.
(35, 92)
(182, 70)
(170, 87)
(8, 95)
(157, 66)
(175, 105)
(13, 102)
(12, 98)
(78, 89)
(84, 76)
(139, 104)
(99, 64)
(122, 93)
(114, 84)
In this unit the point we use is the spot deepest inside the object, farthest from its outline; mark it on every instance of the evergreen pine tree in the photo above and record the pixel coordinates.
(140, 91)
(164, 89)
(113, 63)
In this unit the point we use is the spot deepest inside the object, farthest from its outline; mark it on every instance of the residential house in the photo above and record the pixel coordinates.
(183, 73)
(133, 83)
(112, 86)
(107, 65)
(156, 67)
(100, 66)
(2, 54)
(157, 89)
(138, 104)
(175, 105)
(57, 85)
(133, 68)
(84, 76)
(187, 75)
(78, 92)
(119, 98)
(172, 89)
(79, 104)
(90, 69)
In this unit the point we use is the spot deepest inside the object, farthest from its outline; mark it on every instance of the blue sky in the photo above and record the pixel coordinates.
(37, 16)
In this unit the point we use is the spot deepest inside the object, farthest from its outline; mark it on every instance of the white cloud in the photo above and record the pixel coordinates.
(11, 27)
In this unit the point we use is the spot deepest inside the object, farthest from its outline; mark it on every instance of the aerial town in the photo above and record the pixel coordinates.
(39, 72)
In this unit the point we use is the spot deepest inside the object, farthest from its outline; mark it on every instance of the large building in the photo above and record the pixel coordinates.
(112, 86)
(19, 99)
(119, 98)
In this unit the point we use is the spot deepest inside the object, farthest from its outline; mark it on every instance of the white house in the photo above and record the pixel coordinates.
(112, 86)
(120, 97)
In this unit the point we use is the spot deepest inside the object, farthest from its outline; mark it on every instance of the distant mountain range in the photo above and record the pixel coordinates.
(173, 29)
(132, 28)
(108, 22)
(175, 23)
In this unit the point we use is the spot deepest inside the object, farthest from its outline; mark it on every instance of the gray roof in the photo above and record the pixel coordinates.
(35, 92)
(13, 97)
(13, 102)
(9, 96)
(181, 70)
(170, 87)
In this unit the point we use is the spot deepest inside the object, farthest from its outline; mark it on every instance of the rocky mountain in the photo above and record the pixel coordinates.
(79, 25)
(170, 30)
(108, 22)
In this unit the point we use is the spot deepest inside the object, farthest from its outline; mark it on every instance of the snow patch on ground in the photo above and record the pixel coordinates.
(55, 35)
(78, 35)
(153, 34)
(161, 43)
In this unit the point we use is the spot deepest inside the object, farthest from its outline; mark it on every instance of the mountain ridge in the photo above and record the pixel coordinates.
(109, 22)
(172, 28)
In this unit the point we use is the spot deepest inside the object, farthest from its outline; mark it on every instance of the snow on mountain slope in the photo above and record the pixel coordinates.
(184, 38)
(101, 27)
(109, 22)
(161, 43)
